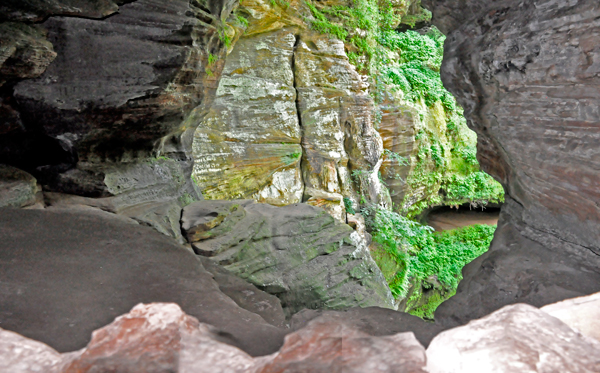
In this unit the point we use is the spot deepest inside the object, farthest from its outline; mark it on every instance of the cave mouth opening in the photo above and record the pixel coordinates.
(443, 218)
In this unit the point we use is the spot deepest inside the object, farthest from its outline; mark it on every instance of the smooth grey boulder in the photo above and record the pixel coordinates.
(298, 253)
(36, 10)
(65, 273)
(516, 338)
(17, 187)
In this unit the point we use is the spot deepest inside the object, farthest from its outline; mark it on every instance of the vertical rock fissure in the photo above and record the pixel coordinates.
(298, 112)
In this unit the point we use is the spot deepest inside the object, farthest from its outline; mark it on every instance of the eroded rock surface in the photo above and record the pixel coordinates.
(298, 253)
(336, 115)
(332, 345)
(247, 144)
(17, 188)
(158, 337)
(65, 273)
(527, 90)
(109, 101)
(24, 52)
(35, 10)
(526, 74)
(516, 338)
(291, 121)
(97, 109)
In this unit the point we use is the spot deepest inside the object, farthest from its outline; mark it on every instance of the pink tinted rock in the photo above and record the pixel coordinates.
(158, 337)
(328, 344)
(517, 338)
(23, 355)
(581, 314)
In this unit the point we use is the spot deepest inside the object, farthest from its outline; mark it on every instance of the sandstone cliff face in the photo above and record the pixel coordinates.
(293, 120)
(120, 99)
(247, 144)
(290, 122)
(110, 108)
(100, 112)
(527, 76)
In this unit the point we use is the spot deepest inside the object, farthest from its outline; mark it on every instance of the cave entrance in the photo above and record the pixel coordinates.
(447, 218)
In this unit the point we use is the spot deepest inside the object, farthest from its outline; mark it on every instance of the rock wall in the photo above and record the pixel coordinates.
(294, 121)
(94, 97)
(247, 144)
(527, 76)
(291, 120)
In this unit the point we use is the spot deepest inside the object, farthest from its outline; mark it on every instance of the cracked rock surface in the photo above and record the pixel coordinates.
(299, 253)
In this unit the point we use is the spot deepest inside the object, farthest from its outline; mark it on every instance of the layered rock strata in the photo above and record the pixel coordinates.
(291, 121)
(247, 144)
(100, 104)
(298, 253)
(527, 76)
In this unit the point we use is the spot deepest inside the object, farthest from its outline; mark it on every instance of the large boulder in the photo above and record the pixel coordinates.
(246, 295)
(333, 345)
(581, 314)
(17, 188)
(160, 337)
(23, 355)
(298, 253)
(157, 337)
(516, 338)
(65, 273)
